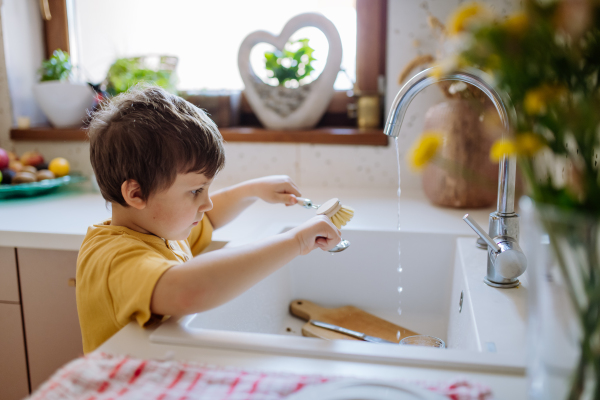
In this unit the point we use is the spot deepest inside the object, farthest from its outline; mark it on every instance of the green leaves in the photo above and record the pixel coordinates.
(56, 68)
(127, 72)
(289, 65)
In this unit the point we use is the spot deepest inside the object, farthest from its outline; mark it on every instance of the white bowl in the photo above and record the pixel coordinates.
(65, 104)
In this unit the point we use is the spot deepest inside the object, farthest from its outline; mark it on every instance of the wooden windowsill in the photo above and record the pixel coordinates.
(323, 135)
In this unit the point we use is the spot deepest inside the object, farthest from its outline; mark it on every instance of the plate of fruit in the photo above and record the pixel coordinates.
(30, 175)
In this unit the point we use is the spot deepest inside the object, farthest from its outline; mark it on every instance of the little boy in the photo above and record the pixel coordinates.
(154, 156)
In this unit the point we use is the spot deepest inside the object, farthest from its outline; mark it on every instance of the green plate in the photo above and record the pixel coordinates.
(37, 188)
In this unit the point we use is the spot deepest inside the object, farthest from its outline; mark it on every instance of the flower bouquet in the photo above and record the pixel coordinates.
(546, 58)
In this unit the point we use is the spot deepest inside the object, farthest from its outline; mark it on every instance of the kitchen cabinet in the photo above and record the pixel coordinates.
(13, 364)
(52, 334)
(9, 281)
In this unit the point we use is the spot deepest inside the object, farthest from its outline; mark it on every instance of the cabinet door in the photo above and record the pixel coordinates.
(13, 367)
(52, 329)
(9, 284)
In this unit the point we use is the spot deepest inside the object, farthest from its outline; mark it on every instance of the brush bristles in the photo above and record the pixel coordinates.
(342, 217)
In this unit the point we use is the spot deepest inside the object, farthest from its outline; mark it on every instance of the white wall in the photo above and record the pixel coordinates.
(344, 166)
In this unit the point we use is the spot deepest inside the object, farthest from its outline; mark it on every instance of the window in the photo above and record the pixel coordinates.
(206, 46)
(335, 127)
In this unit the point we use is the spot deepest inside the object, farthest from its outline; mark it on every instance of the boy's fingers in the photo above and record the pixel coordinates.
(287, 199)
(338, 232)
(330, 237)
(292, 188)
(326, 244)
(321, 241)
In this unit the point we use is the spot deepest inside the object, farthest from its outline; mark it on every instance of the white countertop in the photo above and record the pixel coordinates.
(60, 221)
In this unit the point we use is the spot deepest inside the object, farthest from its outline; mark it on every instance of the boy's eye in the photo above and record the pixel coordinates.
(197, 191)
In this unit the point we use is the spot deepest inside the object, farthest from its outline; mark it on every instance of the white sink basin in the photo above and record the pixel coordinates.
(366, 276)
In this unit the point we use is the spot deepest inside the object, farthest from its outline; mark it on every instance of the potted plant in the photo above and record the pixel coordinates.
(127, 72)
(63, 101)
(294, 101)
(289, 71)
(291, 66)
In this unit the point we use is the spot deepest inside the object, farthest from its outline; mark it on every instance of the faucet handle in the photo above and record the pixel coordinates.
(482, 234)
(506, 261)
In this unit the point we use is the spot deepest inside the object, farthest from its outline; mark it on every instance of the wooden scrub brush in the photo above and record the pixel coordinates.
(338, 214)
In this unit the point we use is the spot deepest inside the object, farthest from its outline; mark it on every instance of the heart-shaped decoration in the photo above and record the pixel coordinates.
(291, 108)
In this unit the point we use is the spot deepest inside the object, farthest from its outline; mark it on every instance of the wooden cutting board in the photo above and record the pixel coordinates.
(348, 317)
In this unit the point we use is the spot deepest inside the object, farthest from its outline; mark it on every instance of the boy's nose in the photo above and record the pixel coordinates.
(206, 206)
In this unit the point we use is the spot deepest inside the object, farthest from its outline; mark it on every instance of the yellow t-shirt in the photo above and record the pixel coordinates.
(117, 270)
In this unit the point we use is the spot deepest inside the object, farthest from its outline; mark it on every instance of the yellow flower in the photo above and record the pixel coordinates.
(536, 100)
(425, 149)
(501, 148)
(528, 144)
(444, 67)
(465, 15)
(436, 72)
(516, 23)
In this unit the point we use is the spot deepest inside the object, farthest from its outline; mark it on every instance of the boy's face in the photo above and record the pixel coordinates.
(172, 213)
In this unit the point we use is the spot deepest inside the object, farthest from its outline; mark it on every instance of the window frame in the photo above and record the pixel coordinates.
(335, 124)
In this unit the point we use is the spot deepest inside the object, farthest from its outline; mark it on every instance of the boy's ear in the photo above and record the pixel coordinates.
(132, 193)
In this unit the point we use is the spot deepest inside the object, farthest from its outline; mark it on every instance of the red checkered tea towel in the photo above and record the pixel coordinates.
(100, 376)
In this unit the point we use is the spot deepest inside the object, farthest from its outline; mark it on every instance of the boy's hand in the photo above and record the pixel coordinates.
(276, 189)
(317, 232)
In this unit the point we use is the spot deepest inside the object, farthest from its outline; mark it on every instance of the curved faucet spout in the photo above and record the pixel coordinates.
(504, 223)
(423, 79)
(482, 81)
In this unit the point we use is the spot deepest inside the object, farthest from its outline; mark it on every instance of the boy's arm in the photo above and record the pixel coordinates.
(228, 203)
(214, 278)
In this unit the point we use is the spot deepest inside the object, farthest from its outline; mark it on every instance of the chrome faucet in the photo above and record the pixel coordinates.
(506, 261)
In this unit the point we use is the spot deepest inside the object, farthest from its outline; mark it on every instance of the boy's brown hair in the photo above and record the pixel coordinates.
(150, 135)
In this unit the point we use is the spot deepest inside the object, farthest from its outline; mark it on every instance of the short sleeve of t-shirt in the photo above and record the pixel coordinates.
(133, 275)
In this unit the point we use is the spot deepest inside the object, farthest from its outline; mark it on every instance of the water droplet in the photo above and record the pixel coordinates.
(399, 269)
(399, 289)
(399, 311)
(398, 335)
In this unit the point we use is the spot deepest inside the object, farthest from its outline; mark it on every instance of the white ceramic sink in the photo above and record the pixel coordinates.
(434, 274)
